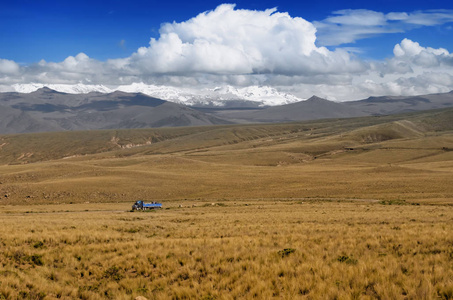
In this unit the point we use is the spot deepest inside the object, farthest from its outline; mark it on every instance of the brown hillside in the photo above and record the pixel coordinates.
(405, 157)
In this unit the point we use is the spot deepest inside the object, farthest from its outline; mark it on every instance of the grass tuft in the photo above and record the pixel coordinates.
(347, 259)
(113, 272)
(285, 252)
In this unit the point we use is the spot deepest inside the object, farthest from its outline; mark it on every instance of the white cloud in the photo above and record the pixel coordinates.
(357, 17)
(411, 52)
(239, 47)
(8, 67)
(350, 25)
(424, 18)
(409, 48)
(233, 41)
(413, 70)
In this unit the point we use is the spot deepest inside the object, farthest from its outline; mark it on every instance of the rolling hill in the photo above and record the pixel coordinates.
(49, 110)
(312, 109)
(393, 105)
(406, 156)
(316, 108)
(361, 130)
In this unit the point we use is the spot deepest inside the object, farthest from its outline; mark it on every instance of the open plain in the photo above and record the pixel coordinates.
(333, 209)
(230, 250)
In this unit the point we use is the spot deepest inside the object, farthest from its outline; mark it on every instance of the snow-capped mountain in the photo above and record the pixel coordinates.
(218, 96)
(64, 88)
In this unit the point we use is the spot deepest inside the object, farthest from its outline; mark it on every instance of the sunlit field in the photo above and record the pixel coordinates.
(334, 209)
(228, 250)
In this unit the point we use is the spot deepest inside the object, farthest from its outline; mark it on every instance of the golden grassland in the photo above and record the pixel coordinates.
(383, 158)
(263, 249)
(331, 209)
(167, 177)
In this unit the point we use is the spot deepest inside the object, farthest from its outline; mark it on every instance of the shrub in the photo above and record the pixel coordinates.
(38, 244)
(36, 260)
(286, 252)
(346, 259)
(113, 273)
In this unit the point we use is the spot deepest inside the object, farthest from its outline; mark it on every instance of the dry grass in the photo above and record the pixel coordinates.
(406, 157)
(290, 167)
(230, 250)
(333, 209)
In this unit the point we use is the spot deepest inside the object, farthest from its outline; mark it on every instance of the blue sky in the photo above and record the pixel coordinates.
(53, 30)
(337, 49)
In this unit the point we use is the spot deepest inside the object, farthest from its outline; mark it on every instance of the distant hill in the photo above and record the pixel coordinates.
(336, 133)
(49, 110)
(312, 109)
(395, 105)
(405, 156)
(317, 108)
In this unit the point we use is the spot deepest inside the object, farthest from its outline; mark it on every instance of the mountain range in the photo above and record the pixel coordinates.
(318, 108)
(49, 110)
(224, 96)
(45, 109)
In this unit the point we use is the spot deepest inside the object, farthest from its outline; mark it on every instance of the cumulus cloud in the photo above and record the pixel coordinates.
(409, 51)
(233, 41)
(246, 47)
(411, 59)
(412, 70)
(8, 67)
(222, 42)
(74, 69)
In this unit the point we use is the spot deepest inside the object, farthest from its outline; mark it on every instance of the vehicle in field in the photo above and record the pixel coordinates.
(141, 205)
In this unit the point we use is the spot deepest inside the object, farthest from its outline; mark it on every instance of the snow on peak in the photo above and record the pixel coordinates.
(79, 88)
(27, 88)
(263, 95)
